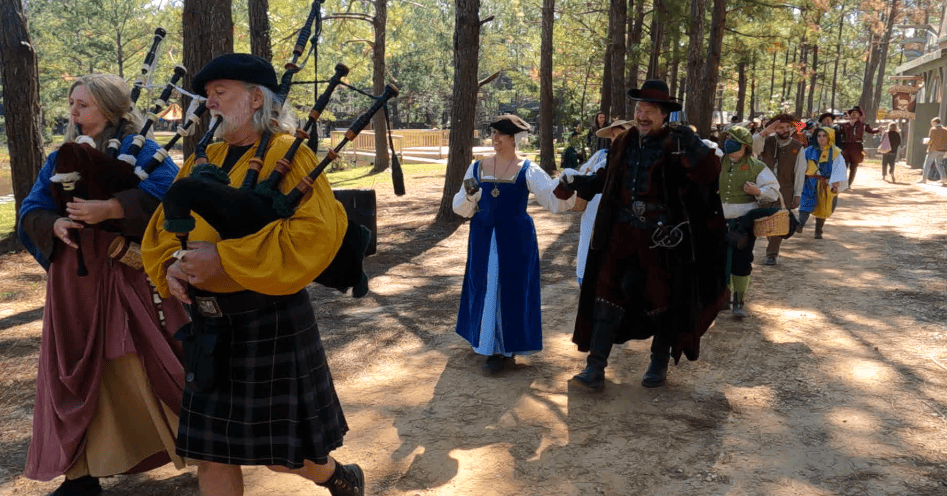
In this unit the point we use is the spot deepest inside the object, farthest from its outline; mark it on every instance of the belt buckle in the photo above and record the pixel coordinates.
(208, 307)
(638, 208)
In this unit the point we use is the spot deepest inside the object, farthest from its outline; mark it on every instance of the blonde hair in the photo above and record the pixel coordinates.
(112, 96)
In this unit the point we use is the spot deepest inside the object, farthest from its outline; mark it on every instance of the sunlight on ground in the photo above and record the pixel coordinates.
(848, 422)
(487, 471)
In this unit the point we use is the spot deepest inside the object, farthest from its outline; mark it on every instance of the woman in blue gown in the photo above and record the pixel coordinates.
(500, 300)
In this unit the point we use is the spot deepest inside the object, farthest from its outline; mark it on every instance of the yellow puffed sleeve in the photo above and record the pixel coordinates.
(281, 258)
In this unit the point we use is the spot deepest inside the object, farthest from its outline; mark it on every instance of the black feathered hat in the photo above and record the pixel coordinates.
(656, 91)
(824, 115)
(238, 67)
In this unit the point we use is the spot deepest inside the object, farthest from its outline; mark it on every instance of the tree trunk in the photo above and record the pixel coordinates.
(19, 72)
(260, 29)
(379, 23)
(463, 109)
(803, 76)
(868, 80)
(752, 113)
(741, 88)
(657, 38)
(792, 73)
(695, 62)
(772, 78)
(838, 55)
(711, 70)
(634, 40)
(208, 33)
(618, 14)
(815, 73)
(885, 41)
(605, 105)
(547, 104)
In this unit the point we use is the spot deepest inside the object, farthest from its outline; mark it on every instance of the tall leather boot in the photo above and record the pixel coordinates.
(657, 372)
(347, 480)
(607, 318)
(819, 224)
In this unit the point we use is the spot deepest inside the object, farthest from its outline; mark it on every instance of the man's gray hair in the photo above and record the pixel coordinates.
(272, 116)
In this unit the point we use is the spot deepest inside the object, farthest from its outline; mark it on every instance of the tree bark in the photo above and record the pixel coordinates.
(618, 13)
(711, 70)
(547, 152)
(657, 38)
(19, 71)
(803, 75)
(695, 62)
(815, 73)
(208, 33)
(883, 51)
(379, 23)
(634, 40)
(741, 88)
(463, 105)
(868, 80)
(605, 105)
(260, 29)
(838, 55)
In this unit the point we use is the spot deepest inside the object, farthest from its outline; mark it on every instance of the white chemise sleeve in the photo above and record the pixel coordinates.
(769, 186)
(541, 185)
(464, 204)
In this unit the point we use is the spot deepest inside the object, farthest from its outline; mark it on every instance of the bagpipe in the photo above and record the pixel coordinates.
(82, 171)
(238, 212)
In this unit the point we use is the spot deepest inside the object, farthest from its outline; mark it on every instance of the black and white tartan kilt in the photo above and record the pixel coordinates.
(280, 406)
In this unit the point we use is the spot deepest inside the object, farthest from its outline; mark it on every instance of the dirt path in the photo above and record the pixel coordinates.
(836, 384)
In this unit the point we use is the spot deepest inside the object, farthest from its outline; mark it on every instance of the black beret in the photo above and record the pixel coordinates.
(510, 124)
(238, 67)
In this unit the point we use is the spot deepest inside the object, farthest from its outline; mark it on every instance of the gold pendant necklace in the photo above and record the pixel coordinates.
(496, 191)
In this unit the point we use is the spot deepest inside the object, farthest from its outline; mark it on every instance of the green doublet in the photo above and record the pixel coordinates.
(734, 175)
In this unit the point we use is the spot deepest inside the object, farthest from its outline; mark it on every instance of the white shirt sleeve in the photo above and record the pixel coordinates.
(465, 205)
(800, 173)
(839, 174)
(758, 142)
(541, 185)
(769, 186)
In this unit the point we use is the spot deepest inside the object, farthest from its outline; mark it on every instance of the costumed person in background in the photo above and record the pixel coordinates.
(853, 151)
(574, 151)
(823, 179)
(826, 119)
(656, 262)
(108, 386)
(591, 208)
(890, 156)
(263, 395)
(500, 306)
(776, 147)
(594, 142)
(745, 183)
(936, 151)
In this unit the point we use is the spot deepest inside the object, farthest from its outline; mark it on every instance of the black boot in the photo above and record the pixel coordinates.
(607, 318)
(657, 372)
(82, 486)
(347, 480)
(737, 308)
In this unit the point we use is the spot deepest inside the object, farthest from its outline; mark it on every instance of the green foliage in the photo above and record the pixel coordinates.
(7, 219)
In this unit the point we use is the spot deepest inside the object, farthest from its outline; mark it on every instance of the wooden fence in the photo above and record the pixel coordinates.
(403, 139)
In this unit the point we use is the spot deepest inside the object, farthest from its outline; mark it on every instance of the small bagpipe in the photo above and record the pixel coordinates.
(238, 212)
(82, 171)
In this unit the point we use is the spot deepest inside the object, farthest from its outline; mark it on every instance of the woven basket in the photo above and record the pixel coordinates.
(580, 205)
(774, 225)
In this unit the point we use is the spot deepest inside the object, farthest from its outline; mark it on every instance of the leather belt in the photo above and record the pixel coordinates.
(637, 210)
(219, 304)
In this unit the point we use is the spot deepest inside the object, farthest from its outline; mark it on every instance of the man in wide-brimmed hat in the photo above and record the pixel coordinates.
(655, 266)
(853, 132)
(776, 147)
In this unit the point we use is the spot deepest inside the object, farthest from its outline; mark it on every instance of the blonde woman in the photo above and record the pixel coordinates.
(109, 382)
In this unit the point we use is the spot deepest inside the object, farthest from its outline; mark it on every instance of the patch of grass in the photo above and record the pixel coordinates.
(361, 177)
(7, 220)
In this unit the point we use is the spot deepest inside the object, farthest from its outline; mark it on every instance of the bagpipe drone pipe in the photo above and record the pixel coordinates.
(82, 171)
(238, 212)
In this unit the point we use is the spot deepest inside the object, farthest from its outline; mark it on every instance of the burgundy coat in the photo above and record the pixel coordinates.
(692, 275)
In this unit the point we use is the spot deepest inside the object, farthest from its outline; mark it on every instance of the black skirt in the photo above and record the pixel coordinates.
(276, 404)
